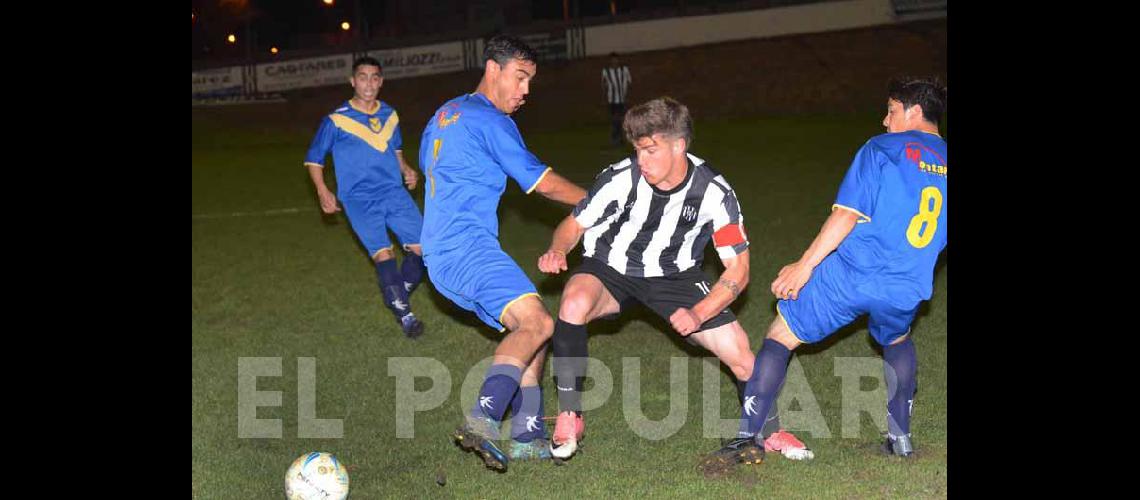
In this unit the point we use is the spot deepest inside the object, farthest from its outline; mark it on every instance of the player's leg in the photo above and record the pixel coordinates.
(890, 326)
(722, 334)
(367, 218)
(395, 294)
(530, 327)
(412, 269)
(617, 115)
(767, 375)
(729, 343)
(528, 430)
(583, 299)
(514, 373)
(405, 220)
(761, 389)
(587, 296)
(505, 298)
(824, 305)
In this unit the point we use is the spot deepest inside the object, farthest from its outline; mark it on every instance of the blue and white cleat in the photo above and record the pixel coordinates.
(539, 449)
(477, 436)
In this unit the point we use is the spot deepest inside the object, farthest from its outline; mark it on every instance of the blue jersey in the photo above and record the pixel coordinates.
(364, 148)
(468, 149)
(897, 184)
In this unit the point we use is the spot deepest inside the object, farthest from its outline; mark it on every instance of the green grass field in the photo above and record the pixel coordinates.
(273, 278)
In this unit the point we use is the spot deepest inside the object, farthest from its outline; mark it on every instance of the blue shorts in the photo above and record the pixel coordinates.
(832, 298)
(371, 220)
(481, 278)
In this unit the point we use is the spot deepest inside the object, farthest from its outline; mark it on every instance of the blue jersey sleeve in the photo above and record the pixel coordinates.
(859, 190)
(505, 145)
(322, 143)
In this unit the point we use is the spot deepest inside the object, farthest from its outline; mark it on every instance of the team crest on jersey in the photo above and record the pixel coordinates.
(689, 213)
(445, 120)
(374, 124)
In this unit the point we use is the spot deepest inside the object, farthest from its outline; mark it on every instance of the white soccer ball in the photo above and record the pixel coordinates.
(316, 475)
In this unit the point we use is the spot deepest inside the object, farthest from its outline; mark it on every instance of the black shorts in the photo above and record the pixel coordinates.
(664, 295)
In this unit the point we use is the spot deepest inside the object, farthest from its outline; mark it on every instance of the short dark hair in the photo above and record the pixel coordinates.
(927, 93)
(663, 115)
(366, 61)
(503, 48)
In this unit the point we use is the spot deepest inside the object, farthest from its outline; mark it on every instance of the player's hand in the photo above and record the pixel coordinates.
(411, 179)
(791, 280)
(685, 321)
(328, 202)
(552, 262)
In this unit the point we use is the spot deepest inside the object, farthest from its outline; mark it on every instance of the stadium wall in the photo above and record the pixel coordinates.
(765, 23)
(834, 72)
(574, 43)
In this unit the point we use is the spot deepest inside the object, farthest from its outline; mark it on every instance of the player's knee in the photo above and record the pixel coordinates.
(743, 365)
(779, 332)
(740, 362)
(536, 324)
(415, 248)
(575, 307)
(544, 325)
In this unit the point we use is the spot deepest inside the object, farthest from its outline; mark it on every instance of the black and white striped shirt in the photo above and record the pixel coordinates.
(617, 82)
(641, 231)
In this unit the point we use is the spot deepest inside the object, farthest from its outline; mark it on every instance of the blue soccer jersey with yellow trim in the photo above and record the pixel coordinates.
(468, 150)
(897, 185)
(364, 146)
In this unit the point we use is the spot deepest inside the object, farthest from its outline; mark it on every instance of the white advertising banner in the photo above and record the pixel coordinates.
(423, 60)
(301, 73)
(214, 81)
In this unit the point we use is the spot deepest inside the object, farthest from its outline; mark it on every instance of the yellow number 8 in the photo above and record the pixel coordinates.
(925, 224)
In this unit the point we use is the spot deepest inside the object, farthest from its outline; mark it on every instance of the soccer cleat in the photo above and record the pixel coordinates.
(899, 446)
(787, 444)
(539, 449)
(412, 327)
(568, 430)
(476, 436)
(734, 452)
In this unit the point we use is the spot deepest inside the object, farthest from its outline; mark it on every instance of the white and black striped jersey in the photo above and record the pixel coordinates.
(617, 82)
(641, 231)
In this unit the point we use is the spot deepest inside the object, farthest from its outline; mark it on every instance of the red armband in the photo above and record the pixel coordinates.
(730, 235)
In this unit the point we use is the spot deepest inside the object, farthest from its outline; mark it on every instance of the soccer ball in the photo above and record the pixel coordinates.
(316, 475)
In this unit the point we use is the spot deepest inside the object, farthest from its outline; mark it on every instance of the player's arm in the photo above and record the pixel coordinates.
(566, 237)
(731, 283)
(410, 176)
(505, 145)
(557, 188)
(855, 202)
(732, 246)
(326, 197)
(794, 276)
(322, 143)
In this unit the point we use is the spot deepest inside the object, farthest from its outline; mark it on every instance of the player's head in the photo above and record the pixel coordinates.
(660, 131)
(914, 103)
(614, 59)
(509, 64)
(366, 78)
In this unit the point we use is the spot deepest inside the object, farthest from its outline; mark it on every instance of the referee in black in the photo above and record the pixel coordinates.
(615, 82)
